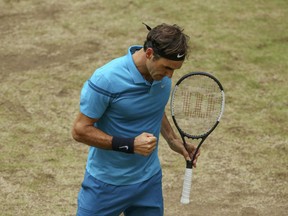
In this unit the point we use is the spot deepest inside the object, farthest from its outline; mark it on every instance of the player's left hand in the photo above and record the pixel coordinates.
(178, 146)
(191, 150)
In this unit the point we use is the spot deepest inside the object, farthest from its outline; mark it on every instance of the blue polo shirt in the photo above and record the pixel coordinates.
(126, 106)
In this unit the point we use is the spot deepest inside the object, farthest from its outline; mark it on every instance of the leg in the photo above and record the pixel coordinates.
(149, 198)
(98, 199)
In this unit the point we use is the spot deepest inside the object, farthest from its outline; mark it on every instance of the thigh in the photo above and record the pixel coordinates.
(149, 198)
(98, 198)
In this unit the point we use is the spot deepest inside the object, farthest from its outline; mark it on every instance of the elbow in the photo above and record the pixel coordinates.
(76, 135)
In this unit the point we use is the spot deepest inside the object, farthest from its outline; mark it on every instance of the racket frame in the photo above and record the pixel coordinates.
(189, 164)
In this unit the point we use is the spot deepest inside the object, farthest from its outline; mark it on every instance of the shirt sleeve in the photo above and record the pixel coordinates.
(95, 98)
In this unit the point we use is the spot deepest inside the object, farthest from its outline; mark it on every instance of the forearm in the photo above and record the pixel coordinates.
(86, 133)
(175, 143)
(168, 133)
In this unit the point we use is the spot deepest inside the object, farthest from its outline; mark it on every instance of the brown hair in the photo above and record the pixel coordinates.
(167, 41)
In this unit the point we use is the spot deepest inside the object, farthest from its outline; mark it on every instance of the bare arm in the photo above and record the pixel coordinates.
(176, 143)
(172, 139)
(84, 131)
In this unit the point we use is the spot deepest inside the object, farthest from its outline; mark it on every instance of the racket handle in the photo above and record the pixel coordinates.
(185, 197)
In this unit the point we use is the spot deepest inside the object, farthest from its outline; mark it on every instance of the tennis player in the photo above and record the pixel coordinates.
(121, 116)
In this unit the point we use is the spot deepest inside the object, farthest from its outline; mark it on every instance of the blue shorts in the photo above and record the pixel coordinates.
(98, 198)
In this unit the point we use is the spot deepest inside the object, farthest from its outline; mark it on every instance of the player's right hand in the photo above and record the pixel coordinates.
(144, 144)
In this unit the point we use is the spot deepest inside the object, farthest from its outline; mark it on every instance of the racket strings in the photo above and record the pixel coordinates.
(197, 104)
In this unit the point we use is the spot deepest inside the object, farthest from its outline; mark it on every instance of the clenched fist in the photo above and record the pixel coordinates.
(145, 143)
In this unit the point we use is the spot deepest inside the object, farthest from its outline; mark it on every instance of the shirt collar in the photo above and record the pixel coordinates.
(136, 75)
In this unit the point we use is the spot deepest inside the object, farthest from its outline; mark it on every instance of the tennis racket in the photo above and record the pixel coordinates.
(197, 104)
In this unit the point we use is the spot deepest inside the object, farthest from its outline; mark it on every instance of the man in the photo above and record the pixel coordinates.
(121, 116)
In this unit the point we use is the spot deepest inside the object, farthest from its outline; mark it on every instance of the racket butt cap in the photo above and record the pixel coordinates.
(184, 201)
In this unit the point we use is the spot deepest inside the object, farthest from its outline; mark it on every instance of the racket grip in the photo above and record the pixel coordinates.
(185, 197)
